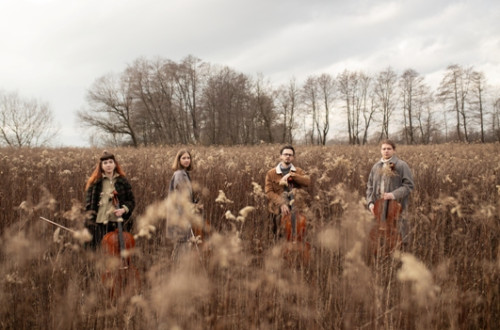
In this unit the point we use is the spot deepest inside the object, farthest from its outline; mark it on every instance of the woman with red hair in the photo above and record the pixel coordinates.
(107, 178)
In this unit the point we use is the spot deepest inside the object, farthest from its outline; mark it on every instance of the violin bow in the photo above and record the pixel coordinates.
(58, 225)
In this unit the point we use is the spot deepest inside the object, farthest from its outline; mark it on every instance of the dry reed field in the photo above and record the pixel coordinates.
(238, 277)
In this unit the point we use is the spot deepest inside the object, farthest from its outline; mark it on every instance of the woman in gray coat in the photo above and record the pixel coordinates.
(182, 202)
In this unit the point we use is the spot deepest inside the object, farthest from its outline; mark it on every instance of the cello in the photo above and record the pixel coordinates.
(200, 230)
(384, 235)
(125, 277)
(294, 226)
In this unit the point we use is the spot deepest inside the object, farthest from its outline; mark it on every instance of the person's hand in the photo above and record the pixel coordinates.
(388, 196)
(284, 180)
(119, 212)
(372, 207)
(284, 209)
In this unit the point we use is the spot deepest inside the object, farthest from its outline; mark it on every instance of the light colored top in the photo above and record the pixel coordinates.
(106, 206)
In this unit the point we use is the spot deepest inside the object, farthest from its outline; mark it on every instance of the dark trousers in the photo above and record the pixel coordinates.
(276, 224)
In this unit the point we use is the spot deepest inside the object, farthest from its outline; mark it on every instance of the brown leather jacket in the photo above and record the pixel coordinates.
(274, 191)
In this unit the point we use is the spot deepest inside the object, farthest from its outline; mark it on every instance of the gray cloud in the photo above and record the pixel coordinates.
(55, 49)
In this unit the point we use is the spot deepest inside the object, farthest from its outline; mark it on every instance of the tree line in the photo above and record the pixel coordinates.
(160, 101)
(25, 122)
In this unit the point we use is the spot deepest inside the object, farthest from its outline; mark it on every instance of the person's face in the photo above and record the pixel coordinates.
(108, 166)
(287, 156)
(185, 160)
(387, 151)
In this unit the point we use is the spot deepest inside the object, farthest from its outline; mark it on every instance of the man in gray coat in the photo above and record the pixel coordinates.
(390, 178)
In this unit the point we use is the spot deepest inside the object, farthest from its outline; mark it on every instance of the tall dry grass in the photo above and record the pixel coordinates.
(238, 279)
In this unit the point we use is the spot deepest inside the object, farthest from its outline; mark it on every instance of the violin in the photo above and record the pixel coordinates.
(124, 278)
(384, 235)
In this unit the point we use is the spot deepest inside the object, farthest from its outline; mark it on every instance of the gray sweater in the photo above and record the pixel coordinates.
(181, 182)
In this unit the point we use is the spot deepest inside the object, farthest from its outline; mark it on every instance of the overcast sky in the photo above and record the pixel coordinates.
(53, 50)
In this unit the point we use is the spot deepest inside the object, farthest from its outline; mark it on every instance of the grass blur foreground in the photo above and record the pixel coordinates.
(237, 278)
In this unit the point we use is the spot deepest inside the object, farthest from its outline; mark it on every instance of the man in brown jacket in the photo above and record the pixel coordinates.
(279, 183)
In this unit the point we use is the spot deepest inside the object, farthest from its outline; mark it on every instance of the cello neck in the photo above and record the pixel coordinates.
(121, 240)
(294, 223)
(120, 237)
(385, 210)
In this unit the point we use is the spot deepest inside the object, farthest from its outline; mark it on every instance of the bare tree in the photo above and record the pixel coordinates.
(153, 87)
(454, 93)
(263, 102)
(326, 86)
(422, 109)
(415, 98)
(353, 88)
(496, 119)
(111, 109)
(407, 83)
(367, 104)
(189, 81)
(478, 84)
(346, 86)
(385, 91)
(25, 122)
(310, 94)
(288, 99)
(228, 117)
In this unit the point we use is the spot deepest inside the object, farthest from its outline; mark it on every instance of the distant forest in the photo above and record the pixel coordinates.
(158, 102)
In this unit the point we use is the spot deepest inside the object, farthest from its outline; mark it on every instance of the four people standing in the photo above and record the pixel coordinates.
(390, 178)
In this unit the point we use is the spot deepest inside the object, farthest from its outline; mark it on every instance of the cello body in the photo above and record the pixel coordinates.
(294, 227)
(121, 277)
(384, 235)
(294, 232)
(111, 243)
